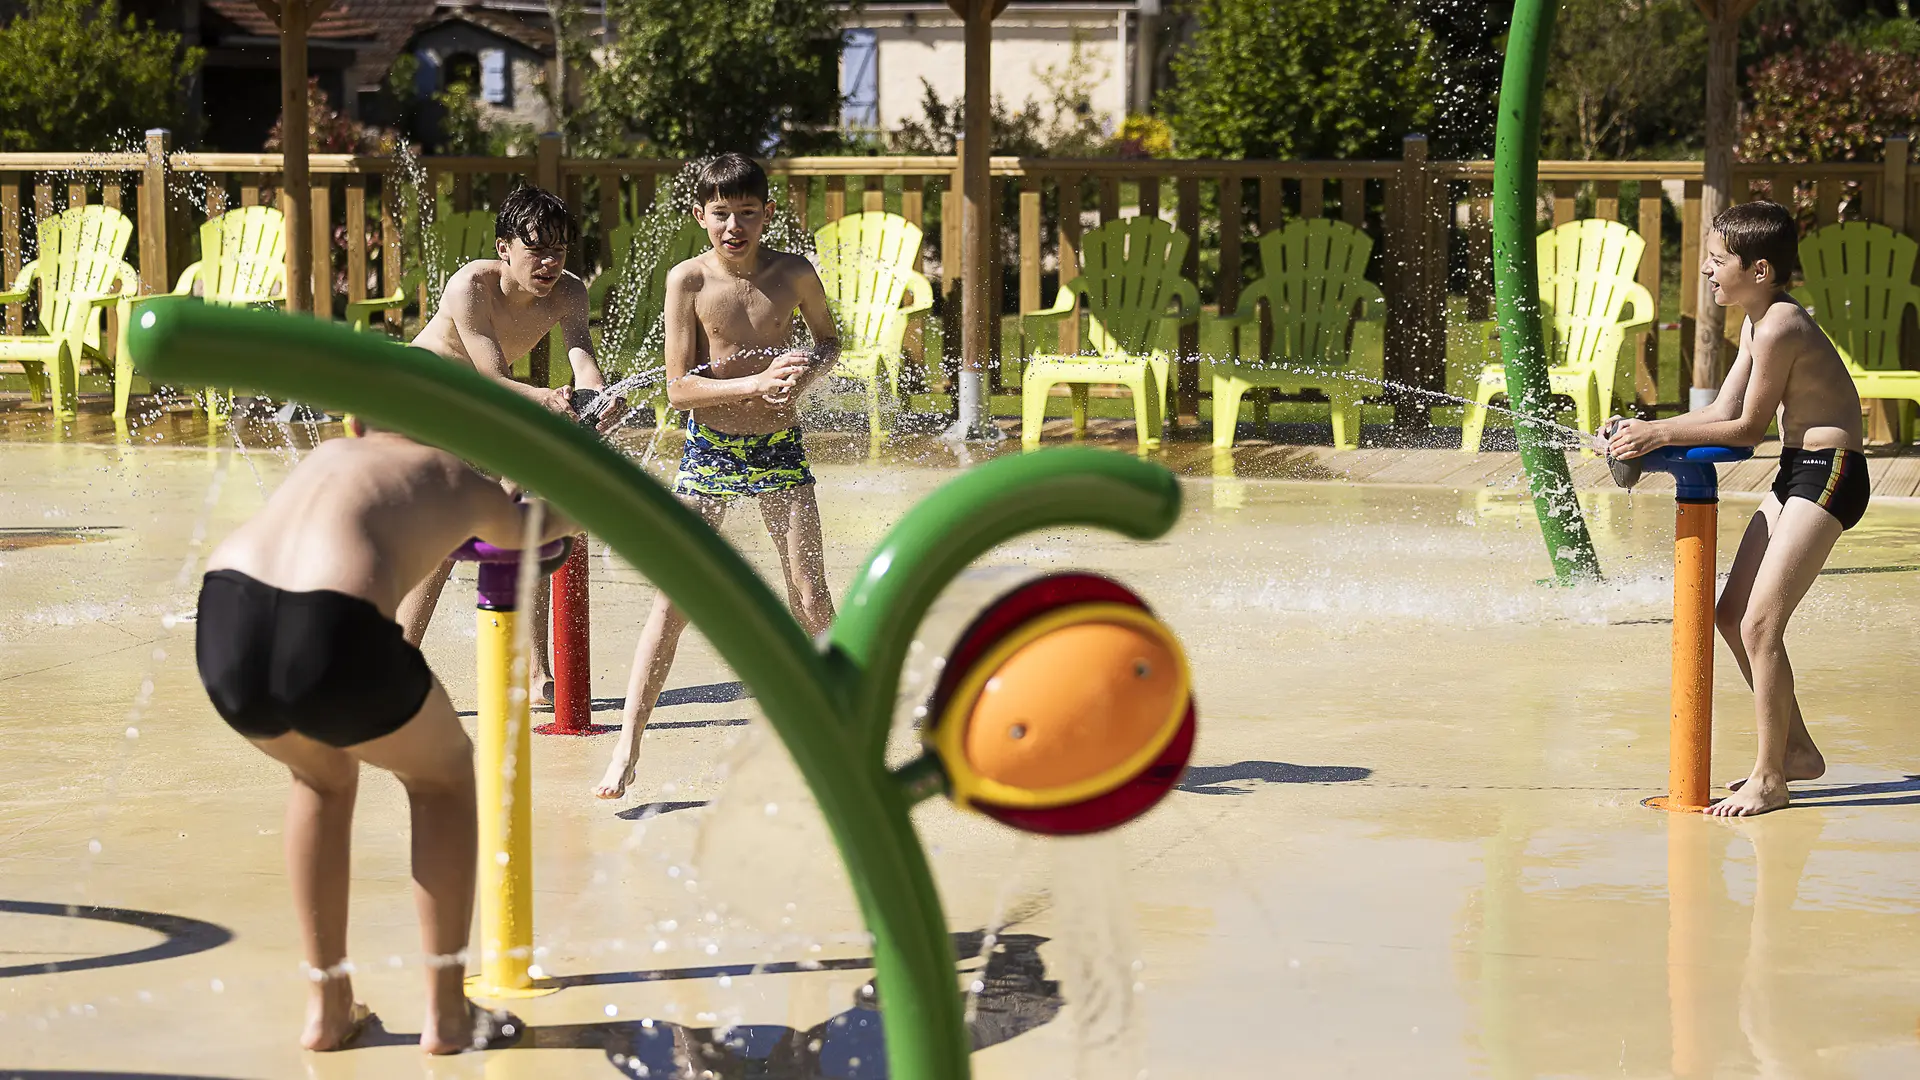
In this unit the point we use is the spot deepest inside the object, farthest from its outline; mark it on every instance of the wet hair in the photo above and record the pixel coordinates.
(730, 176)
(1762, 230)
(535, 217)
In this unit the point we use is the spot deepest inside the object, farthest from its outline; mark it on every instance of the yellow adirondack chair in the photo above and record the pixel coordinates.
(1312, 280)
(1859, 285)
(243, 262)
(1129, 278)
(1592, 302)
(630, 297)
(454, 240)
(81, 271)
(866, 264)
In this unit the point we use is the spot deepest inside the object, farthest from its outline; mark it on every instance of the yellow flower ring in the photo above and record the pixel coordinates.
(1065, 708)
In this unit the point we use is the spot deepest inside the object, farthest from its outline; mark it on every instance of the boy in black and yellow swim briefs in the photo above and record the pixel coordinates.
(732, 364)
(1786, 370)
(299, 651)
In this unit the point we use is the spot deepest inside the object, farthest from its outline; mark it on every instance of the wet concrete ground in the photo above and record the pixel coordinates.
(1410, 844)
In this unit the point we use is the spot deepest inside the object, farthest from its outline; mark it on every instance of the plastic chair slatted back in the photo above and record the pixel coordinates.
(1312, 276)
(1859, 284)
(457, 239)
(861, 259)
(1587, 269)
(634, 298)
(81, 256)
(1130, 275)
(243, 256)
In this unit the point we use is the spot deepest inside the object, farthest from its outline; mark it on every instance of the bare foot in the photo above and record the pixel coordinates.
(619, 775)
(1803, 763)
(471, 1028)
(334, 1019)
(1759, 795)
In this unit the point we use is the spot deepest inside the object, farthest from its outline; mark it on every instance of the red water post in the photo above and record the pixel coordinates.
(572, 653)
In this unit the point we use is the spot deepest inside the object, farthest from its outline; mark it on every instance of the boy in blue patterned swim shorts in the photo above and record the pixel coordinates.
(732, 365)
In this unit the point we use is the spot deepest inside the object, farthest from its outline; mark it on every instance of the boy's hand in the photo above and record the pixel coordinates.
(1632, 438)
(559, 399)
(611, 416)
(775, 385)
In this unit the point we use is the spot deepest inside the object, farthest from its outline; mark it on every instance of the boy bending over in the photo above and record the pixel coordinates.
(1787, 369)
(729, 325)
(298, 649)
(494, 310)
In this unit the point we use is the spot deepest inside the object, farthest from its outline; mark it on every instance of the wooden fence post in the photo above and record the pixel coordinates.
(1647, 372)
(1883, 415)
(10, 245)
(546, 171)
(153, 214)
(1412, 222)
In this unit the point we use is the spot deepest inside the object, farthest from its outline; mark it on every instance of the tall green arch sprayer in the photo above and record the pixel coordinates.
(831, 703)
(1516, 290)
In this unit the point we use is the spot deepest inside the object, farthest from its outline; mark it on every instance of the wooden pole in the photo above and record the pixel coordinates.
(1723, 121)
(976, 308)
(294, 18)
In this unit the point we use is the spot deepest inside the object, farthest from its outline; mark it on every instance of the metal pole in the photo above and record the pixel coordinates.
(1517, 291)
(1690, 744)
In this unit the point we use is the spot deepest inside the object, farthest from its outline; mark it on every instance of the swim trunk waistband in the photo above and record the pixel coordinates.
(720, 465)
(325, 664)
(1834, 480)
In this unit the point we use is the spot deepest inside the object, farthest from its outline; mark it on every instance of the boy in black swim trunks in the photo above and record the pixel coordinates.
(298, 649)
(730, 360)
(1786, 366)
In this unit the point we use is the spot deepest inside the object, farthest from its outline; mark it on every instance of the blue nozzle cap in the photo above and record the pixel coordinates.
(1692, 468)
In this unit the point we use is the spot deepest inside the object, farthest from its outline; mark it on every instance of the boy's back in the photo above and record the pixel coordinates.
(1819, 407)
(369, 518)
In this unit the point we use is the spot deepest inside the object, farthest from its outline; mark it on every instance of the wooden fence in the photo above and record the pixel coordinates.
(1430, 218)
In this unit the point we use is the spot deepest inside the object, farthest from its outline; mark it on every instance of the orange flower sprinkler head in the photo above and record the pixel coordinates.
(1066, 708)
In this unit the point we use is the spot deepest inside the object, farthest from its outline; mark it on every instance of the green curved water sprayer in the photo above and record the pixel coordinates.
(1516, 290)
(831, 704)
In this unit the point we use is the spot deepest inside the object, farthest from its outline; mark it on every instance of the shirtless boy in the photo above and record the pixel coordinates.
(298, 649)
(494, 310)
(1787, 369)
(729, 329)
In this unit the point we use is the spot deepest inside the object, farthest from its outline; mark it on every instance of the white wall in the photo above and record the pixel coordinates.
(1023, 47)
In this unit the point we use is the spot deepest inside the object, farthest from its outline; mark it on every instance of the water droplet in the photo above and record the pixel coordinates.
(93, 846)
(613, 1010)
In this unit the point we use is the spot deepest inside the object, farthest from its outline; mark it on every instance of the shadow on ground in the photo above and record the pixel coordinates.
(1240, 777)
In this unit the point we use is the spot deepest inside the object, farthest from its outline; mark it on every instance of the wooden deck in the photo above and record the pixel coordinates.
(1299, 452)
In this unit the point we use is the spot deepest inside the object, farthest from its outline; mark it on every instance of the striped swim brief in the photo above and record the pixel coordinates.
(1833, 480)
(719, 465)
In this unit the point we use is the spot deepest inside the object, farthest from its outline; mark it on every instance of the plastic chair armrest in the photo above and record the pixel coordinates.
(1640, 301)
(922, 289)
(184, 286)
(1188, 297)
(1064, 304)
(22, 284)
(1373, 302)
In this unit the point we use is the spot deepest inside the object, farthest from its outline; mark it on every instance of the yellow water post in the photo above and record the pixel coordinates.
(504, 784)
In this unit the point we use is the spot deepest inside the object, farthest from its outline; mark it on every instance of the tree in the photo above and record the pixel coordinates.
(1836, 104)
(691, 79)
(1301, 79)
(1624, 80)
(75, 75)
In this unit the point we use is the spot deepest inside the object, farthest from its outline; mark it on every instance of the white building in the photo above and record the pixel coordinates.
(890, 46)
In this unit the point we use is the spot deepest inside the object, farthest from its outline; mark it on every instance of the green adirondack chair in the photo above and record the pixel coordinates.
(1592, 300)
(81, 271)
(1859, 285)
(866, 264)
(1129, 279)
(454, 240)
(1313, 281)
(243, 263)
(630, 298)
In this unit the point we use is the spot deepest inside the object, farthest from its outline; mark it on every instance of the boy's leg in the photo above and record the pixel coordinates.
(416, 608)
(1803, 536)
(319, 839)
(793, 521)
(652, 661)
(1804, 761)
(433, 759)
(542, 638)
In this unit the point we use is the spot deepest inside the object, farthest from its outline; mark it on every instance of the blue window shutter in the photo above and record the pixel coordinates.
(860, 79)
(493, 76)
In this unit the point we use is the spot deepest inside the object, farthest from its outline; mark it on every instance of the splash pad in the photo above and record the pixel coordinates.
(832, 706)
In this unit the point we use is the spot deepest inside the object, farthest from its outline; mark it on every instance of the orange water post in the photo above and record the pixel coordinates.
(1696, 524)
